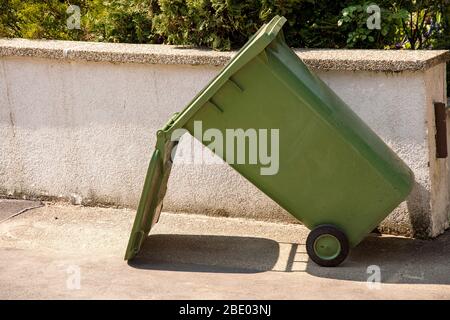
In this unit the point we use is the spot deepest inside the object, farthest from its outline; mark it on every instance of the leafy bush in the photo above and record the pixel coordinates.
(111, 21)
(122, 20)
(226, 24)
(215, 23)
(353, 22)
(414, 25)
(34, 19)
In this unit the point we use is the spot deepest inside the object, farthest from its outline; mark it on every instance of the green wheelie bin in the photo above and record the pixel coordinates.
(334, 173)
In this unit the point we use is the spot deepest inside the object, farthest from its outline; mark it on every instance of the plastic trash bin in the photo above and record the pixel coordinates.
(335, 174)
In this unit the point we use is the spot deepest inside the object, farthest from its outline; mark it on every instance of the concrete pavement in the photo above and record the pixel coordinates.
(73, 252)
(11, 207)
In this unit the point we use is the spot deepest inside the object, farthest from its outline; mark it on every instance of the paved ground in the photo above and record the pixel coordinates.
(42, 252)
(10, 207)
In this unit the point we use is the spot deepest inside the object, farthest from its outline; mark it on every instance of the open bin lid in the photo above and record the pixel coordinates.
(150, 204)
(155, 185)
(254, 46)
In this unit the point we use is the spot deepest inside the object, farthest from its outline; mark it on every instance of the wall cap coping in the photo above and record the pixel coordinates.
(318, 59)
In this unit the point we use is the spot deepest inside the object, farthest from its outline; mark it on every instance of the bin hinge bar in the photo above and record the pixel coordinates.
(210, 103)
(440, 118)
(171, 121)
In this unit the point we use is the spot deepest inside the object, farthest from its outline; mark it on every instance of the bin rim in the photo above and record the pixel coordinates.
(254, 46)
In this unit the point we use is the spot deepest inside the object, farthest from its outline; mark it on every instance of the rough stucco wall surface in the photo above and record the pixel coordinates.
(439, 168)
(87, 129)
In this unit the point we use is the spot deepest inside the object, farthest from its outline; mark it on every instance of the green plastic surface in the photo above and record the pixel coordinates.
(327, 247)
(333, 169)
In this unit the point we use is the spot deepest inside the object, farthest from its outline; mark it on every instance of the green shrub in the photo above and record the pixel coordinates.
(353, 22)
(33, 19)
(111, 21)
(413, 25)
(226, 24)
(219, 24)
(122, 21)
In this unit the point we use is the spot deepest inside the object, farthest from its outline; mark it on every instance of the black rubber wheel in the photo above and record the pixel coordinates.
(327, 246)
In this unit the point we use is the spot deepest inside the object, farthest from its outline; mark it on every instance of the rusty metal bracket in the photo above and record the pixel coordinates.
(440, 117)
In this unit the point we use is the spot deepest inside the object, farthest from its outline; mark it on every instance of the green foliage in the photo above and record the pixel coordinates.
(112, 21)
(310, 23)
(215, 23)
(35, 19)
(354, 23)
(227, 24)
(122, 20)
(407, 25)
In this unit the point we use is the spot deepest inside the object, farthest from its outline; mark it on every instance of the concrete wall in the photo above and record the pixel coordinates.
(86, 130)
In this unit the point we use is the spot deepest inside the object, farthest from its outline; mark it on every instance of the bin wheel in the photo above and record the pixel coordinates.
(327, 246)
